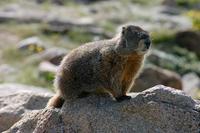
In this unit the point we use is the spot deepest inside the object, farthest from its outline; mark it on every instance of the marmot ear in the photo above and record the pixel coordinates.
(123, 29)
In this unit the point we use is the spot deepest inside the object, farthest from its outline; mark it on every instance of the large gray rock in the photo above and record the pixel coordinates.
(16, 100)
(156, 110)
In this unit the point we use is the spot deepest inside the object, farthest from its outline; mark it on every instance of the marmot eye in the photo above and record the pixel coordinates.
(139, 34)
(144, 36)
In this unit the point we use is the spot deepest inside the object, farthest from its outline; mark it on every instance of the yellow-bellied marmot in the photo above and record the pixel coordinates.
(111, 65)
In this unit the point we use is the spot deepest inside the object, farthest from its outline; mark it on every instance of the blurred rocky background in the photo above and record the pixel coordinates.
(36, 34)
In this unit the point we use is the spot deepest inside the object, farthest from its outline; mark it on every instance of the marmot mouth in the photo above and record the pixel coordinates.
(143, 50)
(147, 42)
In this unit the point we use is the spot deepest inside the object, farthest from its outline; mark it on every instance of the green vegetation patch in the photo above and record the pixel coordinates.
(145, 2)
(166, 36)
(174, 49)
(187, 3)
(12, 56)
(27, 72)
(29, 75)
(108, 26)
(79, 36)
(22, 30)
(195, 16)
(176, 59)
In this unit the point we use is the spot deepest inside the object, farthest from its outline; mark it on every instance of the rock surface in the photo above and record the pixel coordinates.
(153, 75)
(47, 70)
(6, 69)
(190, 40)
(191, 84)
(33, 44)
(16, 99)
(53, 55)
(175, 62)
(47, 67)
(158, 109)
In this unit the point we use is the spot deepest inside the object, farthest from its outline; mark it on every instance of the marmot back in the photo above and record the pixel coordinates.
(108, 65)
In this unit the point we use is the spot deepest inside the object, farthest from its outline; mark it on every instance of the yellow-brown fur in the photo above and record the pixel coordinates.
(131, 70)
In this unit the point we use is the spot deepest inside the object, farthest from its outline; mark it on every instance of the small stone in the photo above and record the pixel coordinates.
(170, 3)
(191, 84)
(32, 44)
(53, 55)
(170, 10)
(6, 69)
(190, 40)
(47, 70)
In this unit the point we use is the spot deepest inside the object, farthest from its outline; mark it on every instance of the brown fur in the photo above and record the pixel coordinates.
(133, 65)
(110, 65)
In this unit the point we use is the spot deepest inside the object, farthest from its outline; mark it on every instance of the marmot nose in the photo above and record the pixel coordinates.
(147, 43)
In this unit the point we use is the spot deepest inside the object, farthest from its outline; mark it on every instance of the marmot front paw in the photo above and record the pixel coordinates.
(122, 98)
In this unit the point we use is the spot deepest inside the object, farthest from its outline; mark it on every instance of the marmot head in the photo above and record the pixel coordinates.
(133, 39)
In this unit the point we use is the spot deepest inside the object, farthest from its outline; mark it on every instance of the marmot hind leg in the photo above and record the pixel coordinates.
(56, 101)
